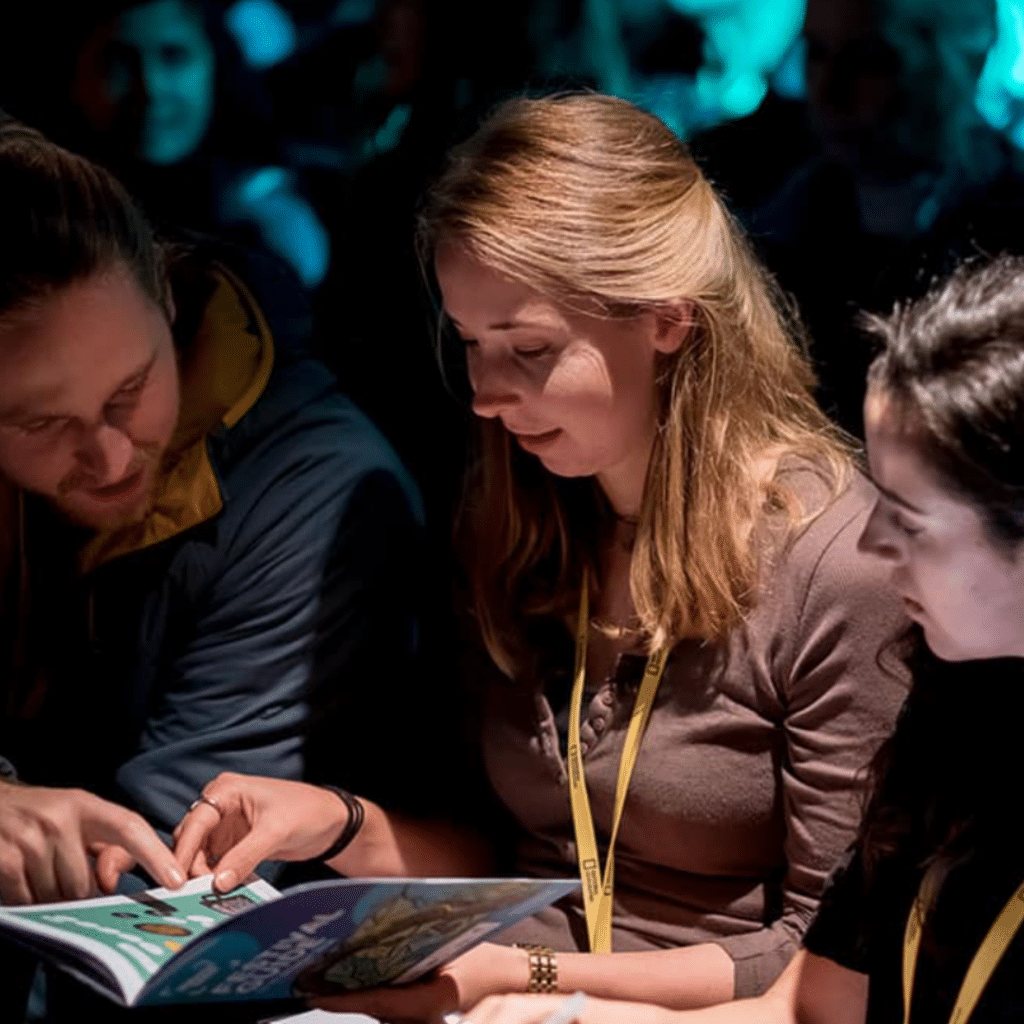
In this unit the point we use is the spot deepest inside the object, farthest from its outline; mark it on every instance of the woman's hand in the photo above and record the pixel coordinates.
(245, 819)
(485, 969)
(537, 1009)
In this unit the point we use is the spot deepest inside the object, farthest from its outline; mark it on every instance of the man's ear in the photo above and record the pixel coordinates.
(672, 325)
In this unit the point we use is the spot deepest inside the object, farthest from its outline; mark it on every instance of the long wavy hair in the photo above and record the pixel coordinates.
(953, 366)
(594, 203)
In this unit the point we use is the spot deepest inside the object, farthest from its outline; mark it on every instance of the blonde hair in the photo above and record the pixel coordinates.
(591, 201)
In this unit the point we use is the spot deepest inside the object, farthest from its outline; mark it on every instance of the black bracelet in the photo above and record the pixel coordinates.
(356, 815)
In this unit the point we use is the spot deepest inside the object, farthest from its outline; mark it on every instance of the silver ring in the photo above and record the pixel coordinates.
(209, 801)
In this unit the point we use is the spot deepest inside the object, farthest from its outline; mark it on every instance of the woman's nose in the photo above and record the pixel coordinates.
(495, 389)
(878, 537)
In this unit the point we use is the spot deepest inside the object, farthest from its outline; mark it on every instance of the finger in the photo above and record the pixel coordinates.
(14, 890)
(193, 832)
(240, 861)
(200, 866)
(111, 863)
(118, 827)
(40, 874)
(71, 872)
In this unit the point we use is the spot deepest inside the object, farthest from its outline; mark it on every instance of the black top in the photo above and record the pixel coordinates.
(861, 928)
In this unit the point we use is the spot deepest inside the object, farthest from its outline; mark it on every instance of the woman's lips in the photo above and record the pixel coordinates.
(534, 442)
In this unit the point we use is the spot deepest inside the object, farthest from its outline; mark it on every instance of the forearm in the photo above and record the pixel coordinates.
(680, 978)
(811, 990)
(392, 845)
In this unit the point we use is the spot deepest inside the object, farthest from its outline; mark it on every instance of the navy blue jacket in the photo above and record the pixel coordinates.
(262, 618)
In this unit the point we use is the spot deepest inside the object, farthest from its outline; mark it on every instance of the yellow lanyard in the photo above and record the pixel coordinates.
(989, 953)
(597, 891)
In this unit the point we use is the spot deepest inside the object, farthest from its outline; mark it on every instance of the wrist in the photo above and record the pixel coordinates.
(518, 970)
(542, 968)
(491, 970)
(353, 817)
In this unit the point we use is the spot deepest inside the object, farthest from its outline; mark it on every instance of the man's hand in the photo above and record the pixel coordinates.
(64, 844)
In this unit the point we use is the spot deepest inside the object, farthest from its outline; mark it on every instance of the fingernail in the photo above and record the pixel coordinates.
(177, 878)
(226, 880)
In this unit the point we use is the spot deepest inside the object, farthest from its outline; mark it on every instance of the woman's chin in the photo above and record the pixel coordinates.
(949, 649)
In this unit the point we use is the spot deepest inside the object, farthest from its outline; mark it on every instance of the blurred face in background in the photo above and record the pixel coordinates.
(889, 82)
(148, 77)
(89, 399)
(852, 77)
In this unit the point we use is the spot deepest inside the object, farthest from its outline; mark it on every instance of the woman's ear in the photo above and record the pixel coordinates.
(672, 325)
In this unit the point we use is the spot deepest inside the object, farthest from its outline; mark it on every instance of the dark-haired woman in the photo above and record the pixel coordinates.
(922, 923)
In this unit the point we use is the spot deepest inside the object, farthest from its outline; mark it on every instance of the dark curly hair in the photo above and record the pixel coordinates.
(953, 365)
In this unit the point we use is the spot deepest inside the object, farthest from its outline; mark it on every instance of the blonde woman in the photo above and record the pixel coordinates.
(656, 489)
(923, 921)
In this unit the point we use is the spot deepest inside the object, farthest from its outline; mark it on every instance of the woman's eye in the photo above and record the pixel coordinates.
(535, 352)
(903, 526)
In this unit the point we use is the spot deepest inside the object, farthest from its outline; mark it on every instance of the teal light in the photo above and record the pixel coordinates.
(264, 31)
(1000, 94)
(745, 43)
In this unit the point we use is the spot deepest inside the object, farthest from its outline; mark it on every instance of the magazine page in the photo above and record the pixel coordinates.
(346, 934)
(117, 943)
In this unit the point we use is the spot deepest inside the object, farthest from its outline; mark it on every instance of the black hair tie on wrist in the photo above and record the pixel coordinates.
(356, 816)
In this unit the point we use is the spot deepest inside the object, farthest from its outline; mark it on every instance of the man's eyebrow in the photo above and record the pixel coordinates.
(19, 413)
(896, 499)
(13, 414)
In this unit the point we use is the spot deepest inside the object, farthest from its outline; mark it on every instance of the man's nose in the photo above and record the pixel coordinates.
(153, 78)
(878, 537)
(106, 453)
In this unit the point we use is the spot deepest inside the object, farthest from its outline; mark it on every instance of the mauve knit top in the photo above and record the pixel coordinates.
(751, 776)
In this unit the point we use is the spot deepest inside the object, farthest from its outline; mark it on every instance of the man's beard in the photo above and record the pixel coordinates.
(91, 517)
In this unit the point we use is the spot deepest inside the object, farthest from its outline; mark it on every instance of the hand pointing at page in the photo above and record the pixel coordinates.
(63, 844)
(242, 820)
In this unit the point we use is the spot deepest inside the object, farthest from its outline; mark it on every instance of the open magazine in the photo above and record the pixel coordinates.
(254, 943)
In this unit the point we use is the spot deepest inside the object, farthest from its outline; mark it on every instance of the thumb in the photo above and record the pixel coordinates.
(240, 861)
(111, 862)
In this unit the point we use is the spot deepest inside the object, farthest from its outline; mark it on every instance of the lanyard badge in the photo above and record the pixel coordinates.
(989, 953)
(598, 886)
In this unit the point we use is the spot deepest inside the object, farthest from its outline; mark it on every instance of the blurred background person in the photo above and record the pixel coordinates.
(159, 92)
(900, 153)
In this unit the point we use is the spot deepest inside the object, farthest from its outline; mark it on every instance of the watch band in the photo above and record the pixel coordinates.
(543, 967)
